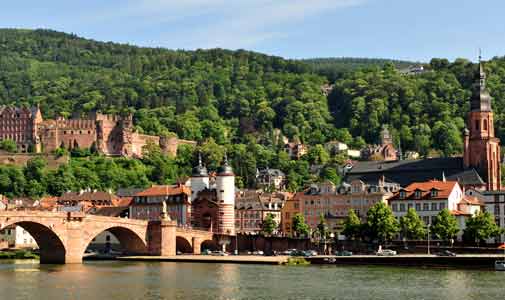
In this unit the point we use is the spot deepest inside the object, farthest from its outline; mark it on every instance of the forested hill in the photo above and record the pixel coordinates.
(240, 96)
(197, 94)
(336, 67)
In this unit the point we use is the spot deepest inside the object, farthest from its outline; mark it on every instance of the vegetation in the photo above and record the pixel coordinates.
(269, 225)
(381, 225)
(240, 102)
(300, 228)
(411, 225)
(481, 227)
(8, 145)
(445, 225)
(352, 226)
(18, 254)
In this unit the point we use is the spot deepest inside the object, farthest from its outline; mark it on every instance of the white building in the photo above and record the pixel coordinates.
(17, 237)
(431, 197)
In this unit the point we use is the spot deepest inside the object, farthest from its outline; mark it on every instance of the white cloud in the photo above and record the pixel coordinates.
(225, 23)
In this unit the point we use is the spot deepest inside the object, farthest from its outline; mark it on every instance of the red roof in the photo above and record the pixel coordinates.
(459, 213)
(471, 200)
(443, 188)
(165, 190)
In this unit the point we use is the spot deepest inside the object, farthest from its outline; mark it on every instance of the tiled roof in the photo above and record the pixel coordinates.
(471, 200)
(459, 213)
(165, 190)
(88, 196)
(406, 172)
(443, 188)
(109, 211)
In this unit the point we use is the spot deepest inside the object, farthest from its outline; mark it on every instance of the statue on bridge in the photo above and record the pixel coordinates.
(164, 214)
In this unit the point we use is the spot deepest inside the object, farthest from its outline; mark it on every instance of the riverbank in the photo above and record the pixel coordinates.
(463, 261)
(234, 259)
(18, 254)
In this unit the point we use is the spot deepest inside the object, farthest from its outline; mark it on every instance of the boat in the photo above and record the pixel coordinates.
(499, 265)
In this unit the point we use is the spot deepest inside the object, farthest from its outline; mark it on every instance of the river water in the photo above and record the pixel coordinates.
(195, 281)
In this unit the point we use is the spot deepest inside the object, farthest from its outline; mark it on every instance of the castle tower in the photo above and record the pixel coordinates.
(225, 186)
(199, 179)
(386, 138)
(482, 148)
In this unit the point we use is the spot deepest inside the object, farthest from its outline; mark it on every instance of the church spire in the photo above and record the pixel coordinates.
(481, 99)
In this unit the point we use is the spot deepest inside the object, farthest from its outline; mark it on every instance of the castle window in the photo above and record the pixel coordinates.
(476, 124)
(485, 124)
(64, 132)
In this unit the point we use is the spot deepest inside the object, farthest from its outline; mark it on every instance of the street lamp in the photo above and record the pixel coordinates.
(429, 239)
(332, 236)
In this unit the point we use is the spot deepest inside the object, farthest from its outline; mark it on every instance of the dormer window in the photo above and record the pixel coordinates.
(402, 194)
(434, 193)
(418, 194)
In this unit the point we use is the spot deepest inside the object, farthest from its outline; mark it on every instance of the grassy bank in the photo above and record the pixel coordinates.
(18, 254)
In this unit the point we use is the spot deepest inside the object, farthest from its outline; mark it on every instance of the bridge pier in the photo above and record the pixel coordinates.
(162, 238)
(197, 244)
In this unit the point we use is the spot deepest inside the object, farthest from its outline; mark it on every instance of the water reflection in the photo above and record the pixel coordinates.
(137, 280)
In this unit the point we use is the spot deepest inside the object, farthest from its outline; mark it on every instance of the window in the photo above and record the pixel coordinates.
(441, 206)
(476, 124)
(395, 207)
(426, 220)
(434, 193)
(402, 207)
(485, 124)
(418, 194)
(410, 205)
(433, 206)
(426, 206)
(418, 206)
(402, 194)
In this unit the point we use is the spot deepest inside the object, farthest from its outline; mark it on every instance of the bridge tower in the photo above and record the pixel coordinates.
(225, 190)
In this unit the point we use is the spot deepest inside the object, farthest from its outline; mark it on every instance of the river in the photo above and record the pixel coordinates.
(111, 280)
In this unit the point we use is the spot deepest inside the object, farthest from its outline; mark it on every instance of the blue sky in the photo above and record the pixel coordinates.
(401, 29)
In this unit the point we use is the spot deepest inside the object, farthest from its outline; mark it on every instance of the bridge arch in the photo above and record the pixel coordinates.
(131, 241)
(51, 246)
(182, 245)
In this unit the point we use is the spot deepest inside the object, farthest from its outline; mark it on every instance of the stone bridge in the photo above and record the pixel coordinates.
(63, 237)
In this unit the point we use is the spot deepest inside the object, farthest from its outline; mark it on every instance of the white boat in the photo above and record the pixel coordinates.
(499, 265)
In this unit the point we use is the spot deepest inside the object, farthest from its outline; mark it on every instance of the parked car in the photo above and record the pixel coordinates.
(445, 253)
(206, 252)
(219, 253)
(299, 253)
(312, 252)
(289, 251)
(343, 253)
(259, 252)
(386, 252)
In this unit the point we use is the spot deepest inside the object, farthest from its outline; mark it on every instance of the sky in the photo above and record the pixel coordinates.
(415, 30)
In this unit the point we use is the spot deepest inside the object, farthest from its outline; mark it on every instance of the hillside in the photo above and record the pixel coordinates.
(336, 67)
(233, 101)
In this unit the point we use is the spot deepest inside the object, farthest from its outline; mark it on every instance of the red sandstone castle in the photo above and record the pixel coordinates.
(108, 134)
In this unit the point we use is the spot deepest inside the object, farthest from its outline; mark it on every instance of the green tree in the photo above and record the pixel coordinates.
(481, 227)
(352, 225)
(8, 145)
(299, 226)
(445, 225)
(269, 225)
(381, 225)
(322, 227)
(412, 227)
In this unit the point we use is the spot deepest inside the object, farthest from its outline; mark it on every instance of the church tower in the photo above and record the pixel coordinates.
(482, 148)
(199, 178)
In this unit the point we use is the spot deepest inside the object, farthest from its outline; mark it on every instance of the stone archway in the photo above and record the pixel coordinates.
(182, 245)
(51, 247)
(209, 245)
(130, 242)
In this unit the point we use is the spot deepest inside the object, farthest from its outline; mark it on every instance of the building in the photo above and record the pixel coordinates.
(335, 147)
(478, 168)
(85, 200)
(21, 126)
(108, 134)
(494, 202)
(290, 208)
(430, 197)
(334, 203)
(213, 206)
(17, 237)
(148, 204)
(271, 179)
(295, 150)
(252, 207)
(384, 151)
